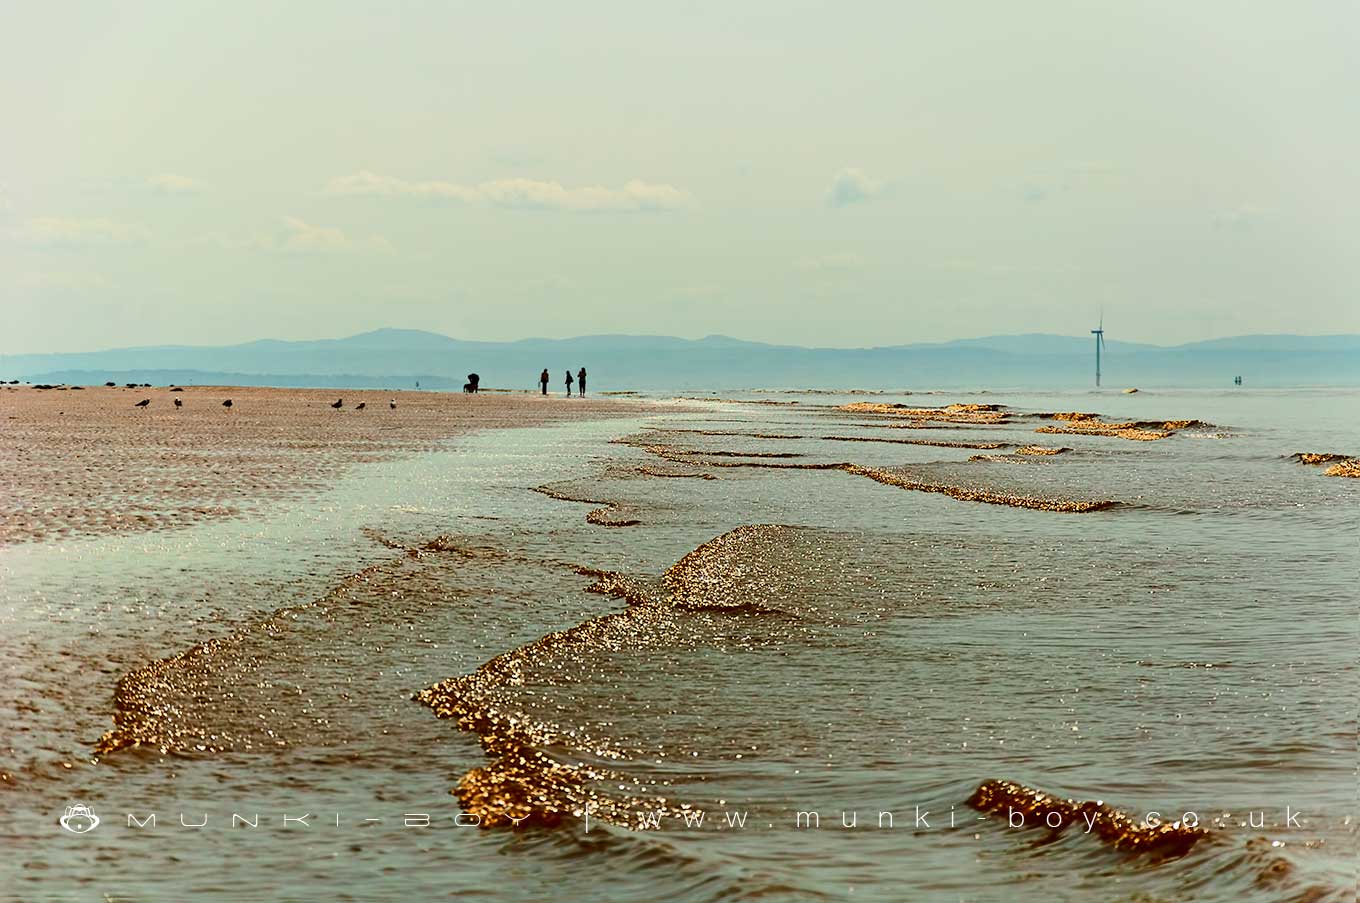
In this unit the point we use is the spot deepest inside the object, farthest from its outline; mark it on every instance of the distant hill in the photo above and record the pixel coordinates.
(395, 358)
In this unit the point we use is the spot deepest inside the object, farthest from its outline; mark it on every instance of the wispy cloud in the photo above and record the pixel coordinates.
(302, 236)
(837, 262)
(292, 235)
(63, 281)
(1240, 219)
(555, 282)
(853, 186)
(59, 230)
(169, 183)
(524, 194)
(1083, 175)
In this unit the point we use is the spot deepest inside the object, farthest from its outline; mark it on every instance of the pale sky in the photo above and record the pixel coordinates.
(837, 174)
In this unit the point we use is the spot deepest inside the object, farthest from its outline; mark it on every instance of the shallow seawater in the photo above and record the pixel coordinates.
(717, 613)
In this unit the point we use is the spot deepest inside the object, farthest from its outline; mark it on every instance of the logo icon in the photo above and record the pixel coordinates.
(79, 819)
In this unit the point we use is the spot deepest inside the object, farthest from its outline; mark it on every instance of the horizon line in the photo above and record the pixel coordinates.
(707, 337)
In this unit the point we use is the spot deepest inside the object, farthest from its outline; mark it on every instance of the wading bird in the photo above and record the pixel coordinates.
(227, 403)
(143, 403)
(361, 405)
(179, 402)
(339, 402)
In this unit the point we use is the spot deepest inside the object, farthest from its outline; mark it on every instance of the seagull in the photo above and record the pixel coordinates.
(361, 405)
(143, 403)
(227, 403)
(392, 404)
(339, 402)
(179, 402)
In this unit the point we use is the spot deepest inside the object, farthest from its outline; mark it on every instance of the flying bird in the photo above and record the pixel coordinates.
(143, 403)
(179, 402)
(361, 405)
(339, 402)
(227, 403)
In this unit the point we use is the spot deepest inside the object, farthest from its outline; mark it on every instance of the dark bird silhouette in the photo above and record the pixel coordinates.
(227, 403)
(339, 402)
(179, 402)
(392, 404)
(361, 405)
(143, 403)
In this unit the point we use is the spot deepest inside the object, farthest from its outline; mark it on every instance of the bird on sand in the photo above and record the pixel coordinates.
(361, 405)
(392, 404)
(339, 402)
(143, 403)
(227, 403)
(179, 402)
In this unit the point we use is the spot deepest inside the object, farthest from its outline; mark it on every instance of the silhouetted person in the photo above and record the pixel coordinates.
(339, 402)
(543, 380)
(143, 403)
(568, 383)
(581, 382)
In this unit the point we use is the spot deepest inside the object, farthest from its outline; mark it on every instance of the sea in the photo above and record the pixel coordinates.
(760, 645)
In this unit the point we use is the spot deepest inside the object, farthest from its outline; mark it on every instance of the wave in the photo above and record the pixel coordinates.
(1221, 855)
(540, 772)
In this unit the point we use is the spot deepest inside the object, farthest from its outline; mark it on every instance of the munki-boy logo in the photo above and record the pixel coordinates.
(79, 819)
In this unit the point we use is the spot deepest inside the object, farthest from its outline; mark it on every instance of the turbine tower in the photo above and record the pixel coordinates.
(1099, 333)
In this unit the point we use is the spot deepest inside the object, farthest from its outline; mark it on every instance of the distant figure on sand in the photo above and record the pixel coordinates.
(543, 380)
(568, 383)
(471, 385)
(581, 382)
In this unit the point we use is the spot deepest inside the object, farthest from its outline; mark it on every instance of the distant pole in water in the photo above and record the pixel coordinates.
(1100, 342)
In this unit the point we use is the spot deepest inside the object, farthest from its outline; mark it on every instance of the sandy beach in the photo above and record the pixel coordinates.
(88, 461)
(647, 610)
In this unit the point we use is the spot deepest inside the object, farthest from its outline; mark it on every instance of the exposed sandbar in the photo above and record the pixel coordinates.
(89, 462)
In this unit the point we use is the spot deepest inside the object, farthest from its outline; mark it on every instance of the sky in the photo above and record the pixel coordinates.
(830, 174)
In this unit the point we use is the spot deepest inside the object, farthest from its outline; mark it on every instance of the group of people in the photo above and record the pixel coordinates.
(579, 380)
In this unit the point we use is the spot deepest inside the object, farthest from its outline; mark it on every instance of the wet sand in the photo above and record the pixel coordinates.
(89, 462)
(757, 637)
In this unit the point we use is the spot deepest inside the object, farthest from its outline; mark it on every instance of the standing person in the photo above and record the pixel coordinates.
(581, 382)
(543, 380)
(568, 383)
